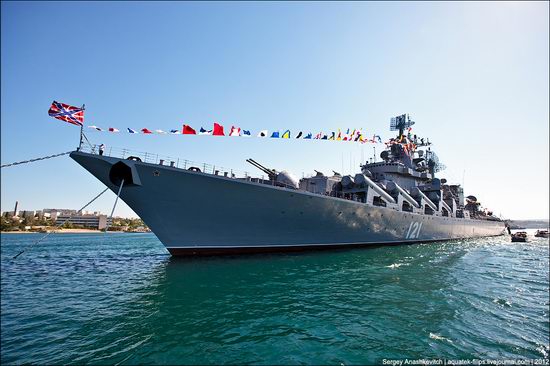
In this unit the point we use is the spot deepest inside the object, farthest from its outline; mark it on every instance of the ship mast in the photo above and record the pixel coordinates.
(399, 123)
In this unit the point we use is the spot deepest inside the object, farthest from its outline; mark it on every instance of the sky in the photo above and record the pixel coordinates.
(473, 75)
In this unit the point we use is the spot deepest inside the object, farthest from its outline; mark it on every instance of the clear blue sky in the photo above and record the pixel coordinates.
(473, 75)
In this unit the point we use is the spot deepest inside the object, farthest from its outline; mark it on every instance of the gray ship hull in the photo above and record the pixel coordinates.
(194, 213)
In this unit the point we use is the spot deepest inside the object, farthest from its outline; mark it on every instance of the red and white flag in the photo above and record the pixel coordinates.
(235, 131)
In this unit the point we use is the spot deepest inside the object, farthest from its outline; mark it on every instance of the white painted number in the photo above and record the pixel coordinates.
(414, 230)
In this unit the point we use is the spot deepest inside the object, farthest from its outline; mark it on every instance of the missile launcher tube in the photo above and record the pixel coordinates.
(446, 206)
(392, 186)
(416, 192)
(379, 190)
(347, 181)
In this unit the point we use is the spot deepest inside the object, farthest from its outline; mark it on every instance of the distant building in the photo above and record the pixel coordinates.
(142, 229)
(60, 211)
(26, 214)
(7, 214)
(91, 221)
(53, 213)
(86, 212)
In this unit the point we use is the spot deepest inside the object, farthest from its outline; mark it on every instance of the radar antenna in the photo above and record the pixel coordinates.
(401, 122)
(433, 162)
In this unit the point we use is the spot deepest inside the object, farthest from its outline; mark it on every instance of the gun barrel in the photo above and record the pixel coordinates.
(270, 173)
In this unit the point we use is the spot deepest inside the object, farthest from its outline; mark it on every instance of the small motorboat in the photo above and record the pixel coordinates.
(542, 234)
(520, 236)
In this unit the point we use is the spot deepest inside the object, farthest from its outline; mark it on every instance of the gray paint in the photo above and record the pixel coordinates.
(188, 209)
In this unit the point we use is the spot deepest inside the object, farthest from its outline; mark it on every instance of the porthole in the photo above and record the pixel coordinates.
(156, 173)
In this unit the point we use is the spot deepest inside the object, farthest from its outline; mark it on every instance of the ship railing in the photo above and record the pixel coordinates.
(165, 160)
(180, 163)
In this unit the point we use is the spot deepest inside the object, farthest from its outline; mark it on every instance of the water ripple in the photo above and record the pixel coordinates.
(121, 299)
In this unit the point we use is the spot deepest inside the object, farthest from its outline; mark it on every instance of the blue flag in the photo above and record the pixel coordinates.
(275, 135)
(308, 136)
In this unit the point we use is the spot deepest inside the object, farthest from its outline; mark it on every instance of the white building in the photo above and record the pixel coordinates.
(91, 221)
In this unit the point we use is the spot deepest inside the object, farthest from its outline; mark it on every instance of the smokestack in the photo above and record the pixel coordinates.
(15, 209)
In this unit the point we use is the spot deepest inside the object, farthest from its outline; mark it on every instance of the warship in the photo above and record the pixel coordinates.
(201, 210)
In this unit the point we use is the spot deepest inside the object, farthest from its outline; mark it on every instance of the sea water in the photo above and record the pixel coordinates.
(121, 298)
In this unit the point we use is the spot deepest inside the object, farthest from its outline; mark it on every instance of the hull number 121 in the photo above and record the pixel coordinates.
(414, 230)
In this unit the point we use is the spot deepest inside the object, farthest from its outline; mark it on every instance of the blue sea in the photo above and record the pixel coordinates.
(121, 299)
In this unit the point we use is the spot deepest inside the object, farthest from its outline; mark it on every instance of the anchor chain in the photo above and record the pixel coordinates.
(37, 159)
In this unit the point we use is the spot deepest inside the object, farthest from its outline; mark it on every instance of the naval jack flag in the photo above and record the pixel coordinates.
(67, 113)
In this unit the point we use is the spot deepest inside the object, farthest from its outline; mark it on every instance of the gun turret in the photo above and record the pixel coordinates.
(271, 173)
(318, 173)
(282, 178)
